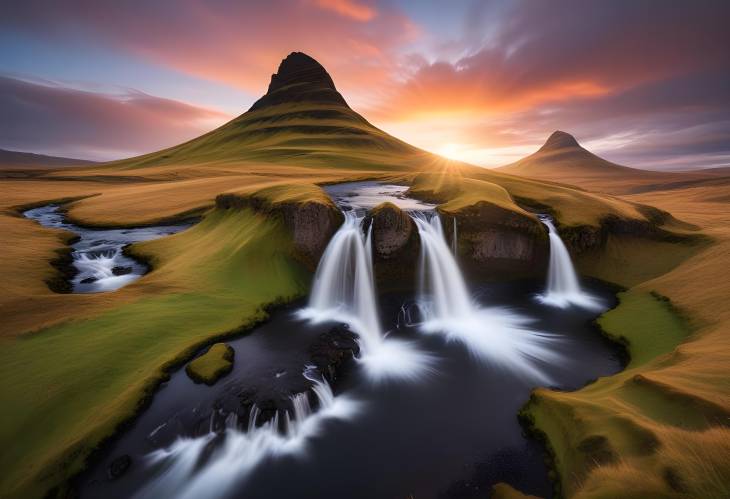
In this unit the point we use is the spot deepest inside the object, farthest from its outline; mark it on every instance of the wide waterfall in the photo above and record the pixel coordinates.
(563, 288)
(496, 335)
(344, 291)
(189, 469)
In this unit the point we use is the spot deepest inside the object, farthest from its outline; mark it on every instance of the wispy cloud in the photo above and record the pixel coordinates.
(54, 119)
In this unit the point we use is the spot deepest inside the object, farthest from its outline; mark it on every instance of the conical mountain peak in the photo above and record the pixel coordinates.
(559, 140)
(300, 78)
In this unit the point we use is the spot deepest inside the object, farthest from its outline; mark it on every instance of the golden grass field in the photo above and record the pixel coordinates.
(77, 366)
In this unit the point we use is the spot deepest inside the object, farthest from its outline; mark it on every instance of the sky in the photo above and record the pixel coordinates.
(645, 83)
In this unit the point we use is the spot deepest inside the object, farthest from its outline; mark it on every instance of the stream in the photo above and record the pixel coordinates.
(427, 410)
(98, 258)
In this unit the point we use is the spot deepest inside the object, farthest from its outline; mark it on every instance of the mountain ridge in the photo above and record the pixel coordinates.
(21, 159)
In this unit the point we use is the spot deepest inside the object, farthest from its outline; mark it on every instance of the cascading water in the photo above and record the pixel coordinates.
(496, 335)
(344, 291)
(343, 286)
(189, 470)
(455, 241)
(563, 288)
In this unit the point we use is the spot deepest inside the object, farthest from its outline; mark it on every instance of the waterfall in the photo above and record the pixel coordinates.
(439, 274)
(188, 468)
(343, 284)
(455, 241)
(344, 291)
(563, 288)
(496, 335)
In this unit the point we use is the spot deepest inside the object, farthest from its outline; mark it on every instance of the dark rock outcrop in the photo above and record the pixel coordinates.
(396, 245)
(333, 350)
(300, 79)
(311, 223)
(332, 354)
(393, 230)
(312, 226)
(583, 238)
(495, 241)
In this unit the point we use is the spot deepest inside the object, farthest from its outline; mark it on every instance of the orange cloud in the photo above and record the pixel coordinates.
(349, 8)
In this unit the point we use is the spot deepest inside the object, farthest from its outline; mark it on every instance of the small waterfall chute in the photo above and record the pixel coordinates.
(563, 287)
(188, 469)
(496, 335)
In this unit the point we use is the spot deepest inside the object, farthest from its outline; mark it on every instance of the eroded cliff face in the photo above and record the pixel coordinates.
(494, 241)
(584, 238)
(312, 224)
(396, 245)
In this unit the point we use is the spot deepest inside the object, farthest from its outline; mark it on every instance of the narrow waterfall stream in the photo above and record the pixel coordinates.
(428, 408)
(563, 289)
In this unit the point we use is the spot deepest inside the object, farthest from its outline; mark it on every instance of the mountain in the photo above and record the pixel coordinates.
(17, 160)
(562, 156)
(301, 119)
(563, 159)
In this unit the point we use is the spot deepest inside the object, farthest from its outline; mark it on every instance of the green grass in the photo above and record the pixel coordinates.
(66, 388)
(646, 324)
(212, 365)
(618, 417)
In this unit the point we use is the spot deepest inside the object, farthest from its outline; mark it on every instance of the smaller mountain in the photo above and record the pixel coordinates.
(561, 158)
(18, 160)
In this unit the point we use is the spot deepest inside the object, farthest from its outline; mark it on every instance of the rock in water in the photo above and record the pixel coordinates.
(332, 350)
(119, 466)
(122, 270)
(212, 365)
